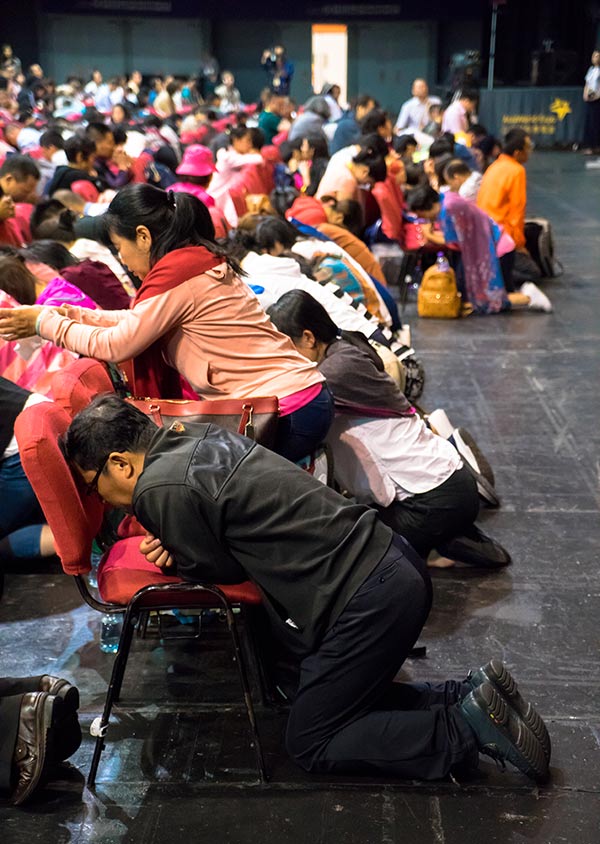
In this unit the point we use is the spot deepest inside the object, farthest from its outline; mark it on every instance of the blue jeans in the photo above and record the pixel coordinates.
(300, 432)
(21, 518)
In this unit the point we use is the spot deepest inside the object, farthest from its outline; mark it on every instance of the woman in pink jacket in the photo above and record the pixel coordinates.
(192, 318)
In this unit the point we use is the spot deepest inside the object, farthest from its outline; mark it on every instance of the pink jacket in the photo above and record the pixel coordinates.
(217, 337)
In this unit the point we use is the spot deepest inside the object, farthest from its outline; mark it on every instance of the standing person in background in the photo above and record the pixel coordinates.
(414, 114)
(457, 115)
(279, 69)
(591, 98)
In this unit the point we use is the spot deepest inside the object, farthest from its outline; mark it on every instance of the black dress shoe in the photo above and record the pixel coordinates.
(56, 686)
(33, 756)
(475, 549)
(68, 731)
(61, 688)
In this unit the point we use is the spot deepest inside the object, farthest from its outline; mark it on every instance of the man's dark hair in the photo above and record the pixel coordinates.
(79, 144)
(363, 101)
(373, 120)
(441, 146)
(415, 174)
(108, 424)
(20, 167)
(402, 142)
(456, 167)
(98, 130)
(514, 141)
(422, 198)
(52, 138)
(479, 130)
(469, 94)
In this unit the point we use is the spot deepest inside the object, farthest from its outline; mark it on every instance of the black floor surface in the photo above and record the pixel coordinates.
(526, 385)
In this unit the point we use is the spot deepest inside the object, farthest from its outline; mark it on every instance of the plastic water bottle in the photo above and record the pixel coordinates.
(112, 624)
(442, 263)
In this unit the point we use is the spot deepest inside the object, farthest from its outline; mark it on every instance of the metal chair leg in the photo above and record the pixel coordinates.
(123, 665)
(243, 672)
(143, 624)
(100, 725)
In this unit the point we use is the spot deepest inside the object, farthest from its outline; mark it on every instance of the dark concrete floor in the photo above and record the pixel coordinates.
(527, 386)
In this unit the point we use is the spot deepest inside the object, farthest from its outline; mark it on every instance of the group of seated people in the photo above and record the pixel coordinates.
(235, 268)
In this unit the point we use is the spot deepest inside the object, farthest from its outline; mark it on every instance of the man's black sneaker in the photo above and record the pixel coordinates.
(475, 549)
(499, 676)
(501, 733)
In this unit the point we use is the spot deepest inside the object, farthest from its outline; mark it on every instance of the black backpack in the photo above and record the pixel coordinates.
(540, 244)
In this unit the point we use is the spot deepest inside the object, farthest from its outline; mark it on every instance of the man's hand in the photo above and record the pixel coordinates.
(153, 551)
(16, 323)
(7, 208)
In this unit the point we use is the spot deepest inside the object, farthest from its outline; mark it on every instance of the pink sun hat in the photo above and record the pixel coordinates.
(197, 161)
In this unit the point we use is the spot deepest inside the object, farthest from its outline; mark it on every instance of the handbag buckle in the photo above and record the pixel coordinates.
(249, 426)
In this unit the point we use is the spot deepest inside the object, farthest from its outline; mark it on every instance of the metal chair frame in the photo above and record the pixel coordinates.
(133, 611)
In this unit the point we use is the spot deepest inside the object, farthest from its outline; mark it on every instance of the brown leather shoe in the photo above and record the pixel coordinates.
(33, 751)
(61, 688)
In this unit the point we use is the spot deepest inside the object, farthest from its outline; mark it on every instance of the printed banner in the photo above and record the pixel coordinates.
(552, 116)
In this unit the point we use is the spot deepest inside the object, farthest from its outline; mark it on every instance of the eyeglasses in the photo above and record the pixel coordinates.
(92, 487)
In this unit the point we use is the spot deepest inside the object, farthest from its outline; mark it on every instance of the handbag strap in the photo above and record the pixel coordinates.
(246, 426)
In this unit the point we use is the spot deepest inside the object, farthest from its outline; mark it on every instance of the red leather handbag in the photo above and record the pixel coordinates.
(255, 418)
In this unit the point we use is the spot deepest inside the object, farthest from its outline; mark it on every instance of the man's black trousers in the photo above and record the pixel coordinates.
(348, 716)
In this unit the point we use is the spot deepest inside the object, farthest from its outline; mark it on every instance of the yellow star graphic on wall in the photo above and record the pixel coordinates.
(561, 108)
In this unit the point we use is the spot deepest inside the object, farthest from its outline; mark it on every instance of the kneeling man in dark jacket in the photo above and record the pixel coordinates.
(353, 595)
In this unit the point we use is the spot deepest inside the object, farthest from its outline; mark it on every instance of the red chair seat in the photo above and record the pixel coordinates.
(75, 386)
(124, 570)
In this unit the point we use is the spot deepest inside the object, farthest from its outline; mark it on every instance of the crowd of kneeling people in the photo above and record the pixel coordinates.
(286, 300)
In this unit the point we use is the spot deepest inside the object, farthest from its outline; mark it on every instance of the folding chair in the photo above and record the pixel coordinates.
(126, 581)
